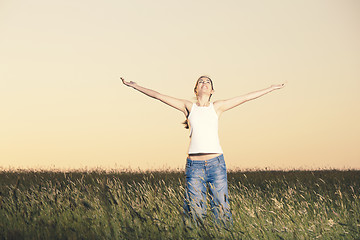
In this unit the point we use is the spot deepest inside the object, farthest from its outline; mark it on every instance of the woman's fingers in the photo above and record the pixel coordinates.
(130, 84)
(278, 86)
(124, 82)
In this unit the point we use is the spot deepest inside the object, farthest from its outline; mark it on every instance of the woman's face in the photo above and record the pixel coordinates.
(204, 85)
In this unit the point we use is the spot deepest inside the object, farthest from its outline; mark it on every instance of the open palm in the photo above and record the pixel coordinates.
(130, 84)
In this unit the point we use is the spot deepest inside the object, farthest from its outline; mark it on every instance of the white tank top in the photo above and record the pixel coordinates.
(204, 136)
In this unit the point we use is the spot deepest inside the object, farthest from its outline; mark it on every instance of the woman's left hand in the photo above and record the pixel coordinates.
(277, 86)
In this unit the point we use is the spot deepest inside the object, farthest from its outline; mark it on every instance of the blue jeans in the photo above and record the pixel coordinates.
(204, 177)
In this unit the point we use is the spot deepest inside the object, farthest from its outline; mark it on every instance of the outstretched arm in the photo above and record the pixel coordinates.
(224, 105)
(179, 104)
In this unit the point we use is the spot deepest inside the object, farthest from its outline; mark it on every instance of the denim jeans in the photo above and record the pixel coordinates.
(204, 177)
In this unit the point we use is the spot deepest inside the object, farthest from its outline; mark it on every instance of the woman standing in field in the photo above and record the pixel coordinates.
(205, 166)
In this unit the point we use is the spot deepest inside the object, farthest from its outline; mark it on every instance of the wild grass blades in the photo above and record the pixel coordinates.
(148, 205)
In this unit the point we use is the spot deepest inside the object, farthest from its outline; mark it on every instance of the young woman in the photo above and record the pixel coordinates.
(205, 166)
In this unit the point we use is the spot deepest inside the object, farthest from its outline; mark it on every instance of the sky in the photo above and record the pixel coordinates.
(63, 106)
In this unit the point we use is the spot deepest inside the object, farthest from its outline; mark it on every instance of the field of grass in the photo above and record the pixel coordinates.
(148, 205)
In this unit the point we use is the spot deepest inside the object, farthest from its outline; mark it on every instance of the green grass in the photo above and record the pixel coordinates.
(148, 205)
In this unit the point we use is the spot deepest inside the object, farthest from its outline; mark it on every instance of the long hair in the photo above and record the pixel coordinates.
(186, 122)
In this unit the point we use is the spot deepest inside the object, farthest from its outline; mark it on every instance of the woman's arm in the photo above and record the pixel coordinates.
(224, 105)
(179, 104)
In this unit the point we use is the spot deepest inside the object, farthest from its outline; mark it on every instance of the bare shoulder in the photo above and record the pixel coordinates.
(218, 106)
(217, 103)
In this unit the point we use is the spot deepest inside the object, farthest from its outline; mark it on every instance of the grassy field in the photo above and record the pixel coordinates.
(148, 205)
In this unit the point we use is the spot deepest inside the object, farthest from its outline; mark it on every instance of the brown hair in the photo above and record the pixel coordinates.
(186, 123)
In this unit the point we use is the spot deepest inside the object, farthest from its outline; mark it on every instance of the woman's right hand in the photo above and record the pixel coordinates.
(129, 84)
(180, 104)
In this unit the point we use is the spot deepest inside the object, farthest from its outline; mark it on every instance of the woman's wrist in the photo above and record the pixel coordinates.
(275, 87)
(135, 86)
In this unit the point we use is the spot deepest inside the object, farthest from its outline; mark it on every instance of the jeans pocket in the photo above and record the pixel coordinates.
(187, 168)
(222, 165)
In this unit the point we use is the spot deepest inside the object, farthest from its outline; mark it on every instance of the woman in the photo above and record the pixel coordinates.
(205, 166)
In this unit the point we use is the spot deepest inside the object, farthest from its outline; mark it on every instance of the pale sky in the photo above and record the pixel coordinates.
(63, 106)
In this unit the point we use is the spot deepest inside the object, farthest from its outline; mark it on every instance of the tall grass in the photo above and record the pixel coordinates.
(148, 205)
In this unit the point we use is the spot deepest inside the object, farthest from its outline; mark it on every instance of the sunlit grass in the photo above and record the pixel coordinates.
(148, 205)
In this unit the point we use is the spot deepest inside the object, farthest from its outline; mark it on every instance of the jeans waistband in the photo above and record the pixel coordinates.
(205, 162)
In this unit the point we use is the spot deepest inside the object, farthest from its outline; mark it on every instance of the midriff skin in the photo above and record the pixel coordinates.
(203, 156)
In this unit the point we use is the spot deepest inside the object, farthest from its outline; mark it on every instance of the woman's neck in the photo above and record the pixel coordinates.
(203, 101)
